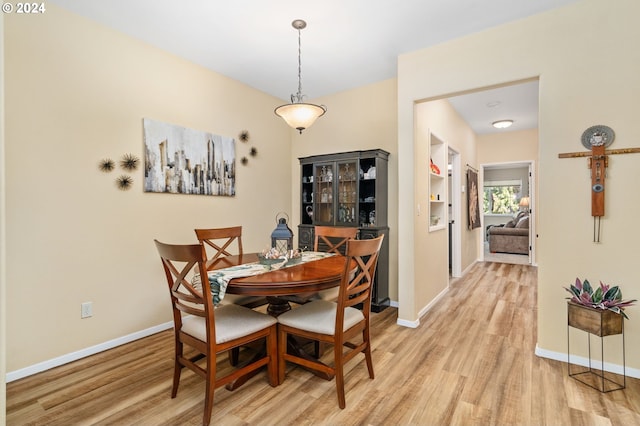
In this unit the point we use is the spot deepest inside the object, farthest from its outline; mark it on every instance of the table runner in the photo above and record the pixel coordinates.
(219, 278)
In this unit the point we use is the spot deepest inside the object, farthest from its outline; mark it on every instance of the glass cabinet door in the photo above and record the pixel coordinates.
(323, 194)
(306, 215)
(347, 194)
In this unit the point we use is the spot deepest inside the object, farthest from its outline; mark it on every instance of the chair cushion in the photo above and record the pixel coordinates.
(319, 316)
(523, 222)
(232, 322)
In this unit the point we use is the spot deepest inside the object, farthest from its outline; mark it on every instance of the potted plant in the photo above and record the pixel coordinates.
(599, 310)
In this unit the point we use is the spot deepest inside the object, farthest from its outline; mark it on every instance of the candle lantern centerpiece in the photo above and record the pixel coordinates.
(282, 236)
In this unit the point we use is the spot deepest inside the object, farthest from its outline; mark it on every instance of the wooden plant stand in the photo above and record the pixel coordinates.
(600, 323)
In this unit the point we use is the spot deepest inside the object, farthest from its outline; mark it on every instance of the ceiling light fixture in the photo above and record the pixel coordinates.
(502, 124)
(298, 114)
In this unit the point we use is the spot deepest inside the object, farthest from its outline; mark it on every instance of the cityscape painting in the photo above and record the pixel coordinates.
(178, 160)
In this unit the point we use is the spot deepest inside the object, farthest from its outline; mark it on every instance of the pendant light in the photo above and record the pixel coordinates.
(298, 114)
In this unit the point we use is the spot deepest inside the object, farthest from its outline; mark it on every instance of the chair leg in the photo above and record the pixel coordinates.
(272, 353)
(234, 355)
(339, 370)
(367, 353)
(210, 385)
(177, 369)
(282, 350)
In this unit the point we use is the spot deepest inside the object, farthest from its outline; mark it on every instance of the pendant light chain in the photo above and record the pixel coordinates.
(298, 114)
(299, 95)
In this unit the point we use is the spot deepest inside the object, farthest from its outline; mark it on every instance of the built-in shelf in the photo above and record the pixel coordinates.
(437, 184)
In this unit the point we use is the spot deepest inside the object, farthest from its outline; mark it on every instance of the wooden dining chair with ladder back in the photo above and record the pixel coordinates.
(220, 243)
(339, 323)
(328, 239)
(333, 239)
(207, 330)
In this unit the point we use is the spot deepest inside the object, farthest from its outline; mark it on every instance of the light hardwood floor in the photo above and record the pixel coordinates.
(471, 362)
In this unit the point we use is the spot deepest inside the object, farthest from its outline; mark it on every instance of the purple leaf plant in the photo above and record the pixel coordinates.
(604, 297)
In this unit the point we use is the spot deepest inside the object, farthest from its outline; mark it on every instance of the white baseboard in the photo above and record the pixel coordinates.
(431, 304)
(74, 356)
(584, 362)
(423, 311)
(468, 268)
(410, 324)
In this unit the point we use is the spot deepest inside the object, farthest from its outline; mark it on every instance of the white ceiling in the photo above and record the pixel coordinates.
(517, 102)
(346, 44)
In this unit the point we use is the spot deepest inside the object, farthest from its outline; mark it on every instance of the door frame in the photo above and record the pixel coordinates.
(532, 203)
(456, 213)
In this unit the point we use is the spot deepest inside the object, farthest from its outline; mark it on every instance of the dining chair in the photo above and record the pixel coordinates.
(219, 243)
(332, 239)
(207, 330)
(328, 239)
(338, 323)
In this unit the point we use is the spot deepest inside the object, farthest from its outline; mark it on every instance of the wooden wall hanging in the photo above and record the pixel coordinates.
(597, 139)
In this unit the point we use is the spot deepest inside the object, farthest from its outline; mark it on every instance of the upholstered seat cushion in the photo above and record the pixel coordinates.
(232, 322)
(319, 316)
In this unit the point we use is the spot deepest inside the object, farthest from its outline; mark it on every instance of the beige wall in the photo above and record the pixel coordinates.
(431, 248)
(76, 93)
(508, 147)
(89, 105)
(359, 119)
(561, 48)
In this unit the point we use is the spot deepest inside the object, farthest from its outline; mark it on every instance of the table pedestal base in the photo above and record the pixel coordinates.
(277, 306)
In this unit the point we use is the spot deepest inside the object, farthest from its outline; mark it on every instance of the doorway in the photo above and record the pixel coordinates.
(454, 213)
(515, 183)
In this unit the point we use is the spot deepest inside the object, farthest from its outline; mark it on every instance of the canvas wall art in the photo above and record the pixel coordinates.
(178, 160)
(473, 199)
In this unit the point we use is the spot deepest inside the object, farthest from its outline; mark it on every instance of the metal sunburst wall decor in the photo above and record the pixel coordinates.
(244, 137)
(107, 165)
(124, 182)
(129, 162)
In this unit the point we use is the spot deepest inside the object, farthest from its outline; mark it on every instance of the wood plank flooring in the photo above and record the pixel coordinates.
(471, 362)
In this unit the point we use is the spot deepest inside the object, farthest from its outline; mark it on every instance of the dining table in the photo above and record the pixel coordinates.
(315, 272)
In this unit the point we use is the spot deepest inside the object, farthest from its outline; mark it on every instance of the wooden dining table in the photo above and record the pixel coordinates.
(305, 277)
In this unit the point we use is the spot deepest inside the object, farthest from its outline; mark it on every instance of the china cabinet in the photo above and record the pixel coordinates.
(348, 189)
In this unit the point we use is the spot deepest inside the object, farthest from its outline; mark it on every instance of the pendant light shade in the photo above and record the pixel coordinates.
(298, 114)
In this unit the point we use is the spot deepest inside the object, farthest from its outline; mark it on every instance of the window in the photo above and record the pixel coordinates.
(501, 197)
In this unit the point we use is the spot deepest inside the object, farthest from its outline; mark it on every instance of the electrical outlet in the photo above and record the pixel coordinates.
(86, 310)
